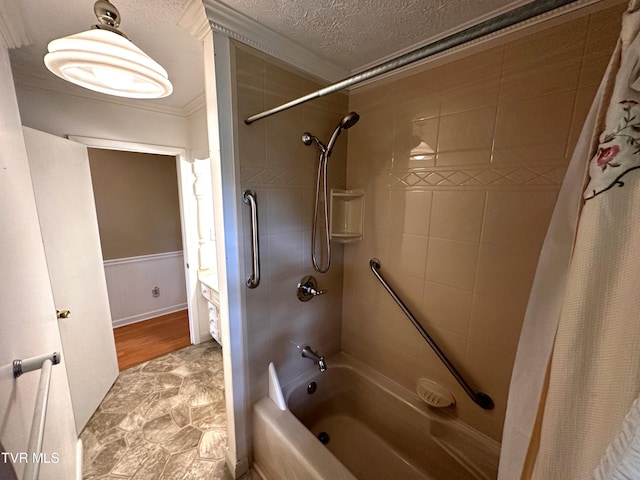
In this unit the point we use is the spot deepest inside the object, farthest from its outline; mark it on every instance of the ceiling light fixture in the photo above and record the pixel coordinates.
(103, 59)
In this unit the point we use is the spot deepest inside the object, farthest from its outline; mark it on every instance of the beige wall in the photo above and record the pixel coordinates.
(137, 204)
(281, 169)
(459, 233)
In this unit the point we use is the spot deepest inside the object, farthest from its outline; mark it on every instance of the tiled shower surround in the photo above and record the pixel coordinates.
(281, 169)
(461, 161)
(459, 232)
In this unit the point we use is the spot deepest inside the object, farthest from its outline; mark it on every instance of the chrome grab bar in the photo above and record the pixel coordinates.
(249, 197)
(34, 449)
(482, 399)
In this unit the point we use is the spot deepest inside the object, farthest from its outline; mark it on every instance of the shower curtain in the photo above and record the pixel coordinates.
(577, 370)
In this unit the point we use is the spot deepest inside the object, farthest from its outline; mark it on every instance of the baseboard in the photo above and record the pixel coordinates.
(121, 322)
(238, 468)
(205, 337)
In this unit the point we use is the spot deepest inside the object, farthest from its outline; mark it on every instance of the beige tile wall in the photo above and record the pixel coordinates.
(459, 232)
(281, 169)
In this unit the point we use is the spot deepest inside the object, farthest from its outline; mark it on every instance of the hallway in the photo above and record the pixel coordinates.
(141, 341)
(163, 420)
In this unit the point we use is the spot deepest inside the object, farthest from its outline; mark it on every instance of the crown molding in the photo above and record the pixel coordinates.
(195, 105)
(46, 86)
(13, 30)
(193, 19)
(225, 20)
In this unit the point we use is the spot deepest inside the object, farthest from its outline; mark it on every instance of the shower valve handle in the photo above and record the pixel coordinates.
(308, 288)
(312, 291)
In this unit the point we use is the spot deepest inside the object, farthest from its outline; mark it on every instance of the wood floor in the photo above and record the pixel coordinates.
(142, 341)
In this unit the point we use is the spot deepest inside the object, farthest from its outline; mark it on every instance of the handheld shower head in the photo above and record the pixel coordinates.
(321, 189)
(347, 122)
(350, 120)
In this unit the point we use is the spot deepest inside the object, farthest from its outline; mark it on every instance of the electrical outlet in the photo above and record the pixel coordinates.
(155, 291)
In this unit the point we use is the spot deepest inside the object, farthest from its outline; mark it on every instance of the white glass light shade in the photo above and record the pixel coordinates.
(106, 62)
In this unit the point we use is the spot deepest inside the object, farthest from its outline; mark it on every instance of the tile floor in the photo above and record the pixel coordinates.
(162, 420)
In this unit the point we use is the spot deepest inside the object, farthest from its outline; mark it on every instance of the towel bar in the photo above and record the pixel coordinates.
(34, 449)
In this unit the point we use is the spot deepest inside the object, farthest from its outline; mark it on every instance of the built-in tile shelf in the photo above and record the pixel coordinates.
(347, 215)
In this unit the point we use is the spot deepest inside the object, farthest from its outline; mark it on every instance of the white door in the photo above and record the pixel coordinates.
(69, 226)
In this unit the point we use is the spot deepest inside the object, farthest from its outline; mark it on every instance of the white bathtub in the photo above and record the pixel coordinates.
(377, 430)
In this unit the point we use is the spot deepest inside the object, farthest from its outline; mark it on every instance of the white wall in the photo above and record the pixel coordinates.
(198, 135)
(28, 324)
(61, 114)
(130, 282)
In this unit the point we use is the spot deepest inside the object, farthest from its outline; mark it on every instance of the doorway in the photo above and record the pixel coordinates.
(161, 266)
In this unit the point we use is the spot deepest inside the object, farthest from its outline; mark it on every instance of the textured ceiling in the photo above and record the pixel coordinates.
(357, 33)
(350, 34)
(150, 24)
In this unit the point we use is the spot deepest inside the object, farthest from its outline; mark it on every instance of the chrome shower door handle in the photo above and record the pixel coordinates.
(249, 197)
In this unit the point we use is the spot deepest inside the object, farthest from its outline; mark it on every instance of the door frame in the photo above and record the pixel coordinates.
(188, 213)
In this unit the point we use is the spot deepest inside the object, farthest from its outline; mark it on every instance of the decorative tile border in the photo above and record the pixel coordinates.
(283, 177)
(490, 177)
(259, 176)
(539, 175)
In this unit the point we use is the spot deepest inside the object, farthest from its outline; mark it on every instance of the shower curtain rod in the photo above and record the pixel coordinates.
(520, 14)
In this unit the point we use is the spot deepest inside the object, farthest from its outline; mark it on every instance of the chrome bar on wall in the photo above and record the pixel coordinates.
(508, 19)
(249, 197)
(482, 399)
(34, 449)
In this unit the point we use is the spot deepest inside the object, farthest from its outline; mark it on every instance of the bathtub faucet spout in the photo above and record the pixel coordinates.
(319, 359)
